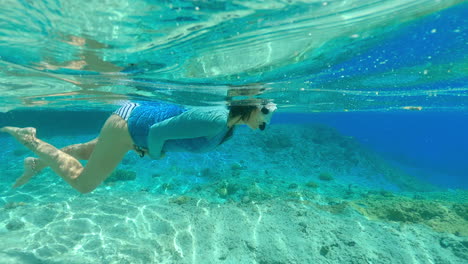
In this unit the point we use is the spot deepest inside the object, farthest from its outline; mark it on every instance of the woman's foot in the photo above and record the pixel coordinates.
(24, 135)
(30, 169)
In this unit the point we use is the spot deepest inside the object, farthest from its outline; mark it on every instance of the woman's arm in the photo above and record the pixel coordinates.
(199, 122)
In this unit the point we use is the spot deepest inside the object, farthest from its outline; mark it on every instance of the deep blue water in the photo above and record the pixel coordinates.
(432, 145)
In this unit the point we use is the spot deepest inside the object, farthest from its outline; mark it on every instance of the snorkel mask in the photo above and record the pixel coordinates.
(267, 111)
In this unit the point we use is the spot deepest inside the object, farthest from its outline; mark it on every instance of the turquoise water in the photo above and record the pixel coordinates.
(364, 162)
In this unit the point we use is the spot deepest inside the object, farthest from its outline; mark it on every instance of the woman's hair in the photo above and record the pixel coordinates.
(244, 111)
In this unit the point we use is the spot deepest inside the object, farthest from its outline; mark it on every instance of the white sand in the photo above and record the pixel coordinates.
(146, 228)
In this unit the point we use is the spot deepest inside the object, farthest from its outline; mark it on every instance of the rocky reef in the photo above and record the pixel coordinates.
(442, 216)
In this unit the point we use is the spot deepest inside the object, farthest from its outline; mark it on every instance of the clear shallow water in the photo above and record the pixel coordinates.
(365, 161)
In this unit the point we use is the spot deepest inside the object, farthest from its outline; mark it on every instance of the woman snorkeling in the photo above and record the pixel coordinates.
(149, 128)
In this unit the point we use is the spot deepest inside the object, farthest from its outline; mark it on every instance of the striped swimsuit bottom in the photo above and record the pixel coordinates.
(125, 111)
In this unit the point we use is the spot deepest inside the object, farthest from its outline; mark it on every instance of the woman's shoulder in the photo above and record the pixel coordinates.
(212, 113)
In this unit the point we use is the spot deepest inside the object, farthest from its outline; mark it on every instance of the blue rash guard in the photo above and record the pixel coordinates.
(163, 127)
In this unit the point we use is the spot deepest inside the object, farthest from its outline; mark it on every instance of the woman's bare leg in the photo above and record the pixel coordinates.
(33, 166)
(114, 141)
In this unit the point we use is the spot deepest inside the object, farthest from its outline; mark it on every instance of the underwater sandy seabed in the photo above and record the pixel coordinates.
(293, 194)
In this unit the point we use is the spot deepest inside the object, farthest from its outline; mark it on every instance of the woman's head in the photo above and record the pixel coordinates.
(253, 115)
